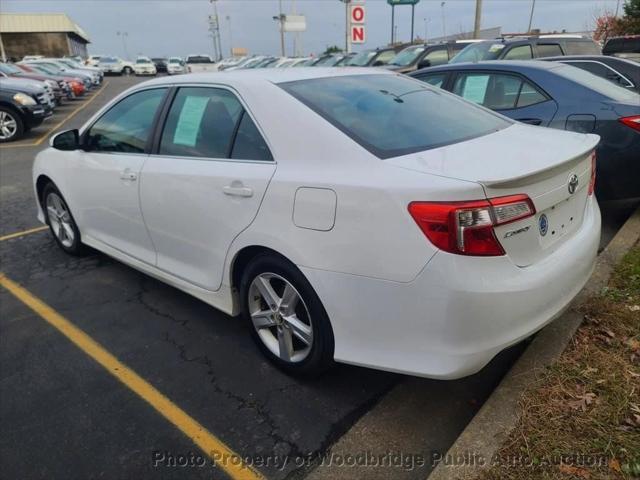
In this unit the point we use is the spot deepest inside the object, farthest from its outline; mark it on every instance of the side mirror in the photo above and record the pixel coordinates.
(424, 63)
(67, 140)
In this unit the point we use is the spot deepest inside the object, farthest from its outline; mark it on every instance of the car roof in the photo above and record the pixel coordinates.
(271, 75)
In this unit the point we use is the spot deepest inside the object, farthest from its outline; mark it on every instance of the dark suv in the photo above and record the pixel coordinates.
(623, 47)
(416, 57)
(526, 48)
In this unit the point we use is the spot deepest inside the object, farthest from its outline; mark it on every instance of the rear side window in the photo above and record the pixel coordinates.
(392, 115)
(602, 71)
(210, 123)
(497, 91)
(581, 47)
(522, 52)
(549, 50)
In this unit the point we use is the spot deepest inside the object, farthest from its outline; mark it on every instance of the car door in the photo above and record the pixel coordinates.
(204, 183)
(510, 94)
(107, 174)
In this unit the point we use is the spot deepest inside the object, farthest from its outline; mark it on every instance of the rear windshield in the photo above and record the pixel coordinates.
(392, 115)
(198, 59)
(597, 84)
(622, 45)
(477, 52)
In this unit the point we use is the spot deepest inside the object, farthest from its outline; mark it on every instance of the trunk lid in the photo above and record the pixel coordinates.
(521, 159)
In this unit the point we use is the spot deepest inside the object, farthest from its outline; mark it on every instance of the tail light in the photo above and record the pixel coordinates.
(592, 181)
(466, 228)
(633, 122)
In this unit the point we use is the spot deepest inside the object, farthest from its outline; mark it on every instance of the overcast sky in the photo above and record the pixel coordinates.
(179, 27)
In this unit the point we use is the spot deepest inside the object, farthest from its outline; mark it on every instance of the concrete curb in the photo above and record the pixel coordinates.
(490, 428)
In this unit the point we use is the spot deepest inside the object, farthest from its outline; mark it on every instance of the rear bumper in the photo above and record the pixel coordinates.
(459, 312)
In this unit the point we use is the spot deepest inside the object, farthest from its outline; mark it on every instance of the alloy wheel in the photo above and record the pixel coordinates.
(8, 126)
(60, 220)
(280, 317)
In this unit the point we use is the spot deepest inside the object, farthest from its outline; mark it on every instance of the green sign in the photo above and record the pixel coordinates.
(394, 3)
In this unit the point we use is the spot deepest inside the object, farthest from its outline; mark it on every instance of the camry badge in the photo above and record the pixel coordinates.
(573, 184)
(543, 224)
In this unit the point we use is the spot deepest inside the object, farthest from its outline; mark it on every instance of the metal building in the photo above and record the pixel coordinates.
(48, 34)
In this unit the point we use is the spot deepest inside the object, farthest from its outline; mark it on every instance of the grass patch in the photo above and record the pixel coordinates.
(581, 418)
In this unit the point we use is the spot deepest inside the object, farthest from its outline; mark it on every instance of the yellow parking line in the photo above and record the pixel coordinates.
(210, 445)
(44, 136)
(23, 233)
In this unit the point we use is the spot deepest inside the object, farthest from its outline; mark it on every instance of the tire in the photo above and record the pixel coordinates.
(11, 125)
(63, 227)
(284, 327)
(127, 71)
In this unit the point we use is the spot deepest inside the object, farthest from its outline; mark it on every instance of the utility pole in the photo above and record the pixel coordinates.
(281, 28)
(413, 16)
(426, 36)
(230, 36)
(347, 26)
(124, 36)
(533, 7)
(444, 24)
(617, 7)
(393, 23)
(478, 21)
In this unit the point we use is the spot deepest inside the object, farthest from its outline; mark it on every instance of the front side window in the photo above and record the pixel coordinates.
(392, 115)
(211, 123)
(497, 91)
(523, 52)
(126, 126)
(435, 79)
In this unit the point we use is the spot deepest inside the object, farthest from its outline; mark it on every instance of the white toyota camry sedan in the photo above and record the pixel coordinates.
(349, 215)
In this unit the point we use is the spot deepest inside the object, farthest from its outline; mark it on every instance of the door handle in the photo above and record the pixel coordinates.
(237, 191)
(128, 175)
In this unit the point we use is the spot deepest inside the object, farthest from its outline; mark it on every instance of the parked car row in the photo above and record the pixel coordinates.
(30, 91)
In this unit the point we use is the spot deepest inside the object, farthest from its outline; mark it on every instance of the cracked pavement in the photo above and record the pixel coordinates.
(63, 416)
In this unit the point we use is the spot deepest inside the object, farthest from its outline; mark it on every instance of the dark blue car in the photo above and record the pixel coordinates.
(559, 96)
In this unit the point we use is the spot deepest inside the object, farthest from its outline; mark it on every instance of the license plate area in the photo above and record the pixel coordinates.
(561, 220)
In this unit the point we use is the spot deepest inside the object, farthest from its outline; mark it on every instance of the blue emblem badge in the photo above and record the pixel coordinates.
(543, 224)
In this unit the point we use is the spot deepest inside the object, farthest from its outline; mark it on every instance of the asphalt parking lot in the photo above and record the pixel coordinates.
(65, 414)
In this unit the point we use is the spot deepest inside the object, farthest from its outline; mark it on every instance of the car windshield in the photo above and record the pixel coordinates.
(174, 60)
(9, 69)
(391, 115)
(327, 61)
(362, 58)
(143, 60)
(108, 60)
(198, 59)
(598, 84)
(407, 56)
(477, 52)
